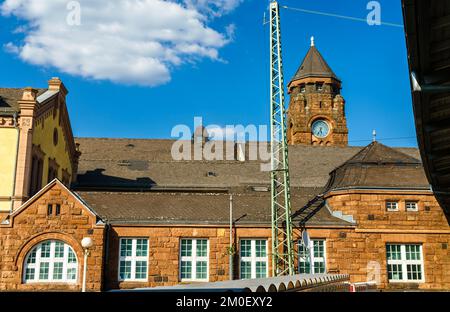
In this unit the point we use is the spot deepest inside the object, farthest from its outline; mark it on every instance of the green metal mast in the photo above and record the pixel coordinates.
(282, 247)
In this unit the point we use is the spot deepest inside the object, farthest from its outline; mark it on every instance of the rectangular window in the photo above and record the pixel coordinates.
(133, 259)
(392, 206)
(253, 258)
(411, 206)
(58, 270)
(43, 271)
(49, 209)
(312, 258)
(404, 263)
(58, 210)
(45, 250)
(194, 260)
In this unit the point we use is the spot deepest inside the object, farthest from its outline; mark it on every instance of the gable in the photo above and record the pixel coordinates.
(53, 136)
(35, 211)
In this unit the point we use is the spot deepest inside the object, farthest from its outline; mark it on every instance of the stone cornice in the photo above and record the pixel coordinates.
(385, 191)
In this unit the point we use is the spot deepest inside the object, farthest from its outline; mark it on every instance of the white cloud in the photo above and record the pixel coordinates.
(124, 41)
(221, 133)
(213, 7)
(11, 48)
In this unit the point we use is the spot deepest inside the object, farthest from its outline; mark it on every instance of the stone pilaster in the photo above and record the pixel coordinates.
(23, 168)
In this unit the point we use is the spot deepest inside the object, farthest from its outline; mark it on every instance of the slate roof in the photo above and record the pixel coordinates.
(140, 163)
(9, 98)
(197, 208)
(379, 166)
(314, 65)
(136, 181)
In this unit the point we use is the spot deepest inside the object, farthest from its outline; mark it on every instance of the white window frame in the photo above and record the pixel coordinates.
(193, 258)
(390, 202)
(409, 202)
(133, 258)
(312, 258)
(253, 258)
(403, 263)
(51, 261)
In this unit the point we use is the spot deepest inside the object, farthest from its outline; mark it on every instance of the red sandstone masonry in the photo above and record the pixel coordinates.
(32, 226)
(348, 250)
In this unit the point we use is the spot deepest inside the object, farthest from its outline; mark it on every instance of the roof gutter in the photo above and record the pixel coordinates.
(224, 225)
(379, 188)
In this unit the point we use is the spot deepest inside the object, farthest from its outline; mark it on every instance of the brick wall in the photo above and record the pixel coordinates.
(164, 244)
(349, 250)
(376, 227)
(306, 107)
(31, 225)
(368, 208)
(356, 252)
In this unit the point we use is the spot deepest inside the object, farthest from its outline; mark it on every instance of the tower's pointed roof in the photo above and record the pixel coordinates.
(314, 65)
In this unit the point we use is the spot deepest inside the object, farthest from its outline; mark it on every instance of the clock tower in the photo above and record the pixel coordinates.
(316, 114)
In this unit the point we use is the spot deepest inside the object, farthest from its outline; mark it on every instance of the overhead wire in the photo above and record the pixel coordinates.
(338, 16)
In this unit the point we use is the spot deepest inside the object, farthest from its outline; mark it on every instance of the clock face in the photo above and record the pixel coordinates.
(320, 129)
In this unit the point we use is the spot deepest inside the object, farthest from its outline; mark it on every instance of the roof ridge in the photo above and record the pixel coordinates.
(369, 155)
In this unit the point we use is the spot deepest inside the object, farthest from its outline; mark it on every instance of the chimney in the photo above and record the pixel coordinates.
(28, 102)
(55, 84)
(29, 94)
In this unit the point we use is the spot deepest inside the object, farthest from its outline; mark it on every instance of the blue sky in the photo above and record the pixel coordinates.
(231, 87)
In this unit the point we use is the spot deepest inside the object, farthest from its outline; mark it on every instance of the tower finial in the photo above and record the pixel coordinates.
(312, 41)
(374, 135)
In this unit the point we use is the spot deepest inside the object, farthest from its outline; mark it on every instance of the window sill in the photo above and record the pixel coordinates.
(133, 281)
(406, 282)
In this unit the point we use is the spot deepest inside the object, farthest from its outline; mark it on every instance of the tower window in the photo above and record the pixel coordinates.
(319, 86)
(302, 89)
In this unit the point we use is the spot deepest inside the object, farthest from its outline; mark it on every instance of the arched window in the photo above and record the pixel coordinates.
(51, 261)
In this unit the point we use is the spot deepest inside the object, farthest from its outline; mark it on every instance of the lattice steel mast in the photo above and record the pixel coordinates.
(282, 247)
